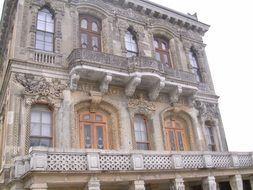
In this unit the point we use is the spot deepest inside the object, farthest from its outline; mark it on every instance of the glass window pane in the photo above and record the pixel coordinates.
(45, 142)
(172, 140)
(84, 40)
(48, 47)
(100, 138)
(41, 25)
(87, 136)
(40, 35)
(46, 117)
(94, 27)
(39, 45)
(48, 37)
(164, 46)
(142, 146)
(34, 142)
(35, 129)
(46, 130)
(180, 140)
(35, 116)
(98, 118)
(128, 36)
(86, 117)
(95, 43)
(49, 27)
(41, 16)
(157, 56)
(138, 136)
(84, 24)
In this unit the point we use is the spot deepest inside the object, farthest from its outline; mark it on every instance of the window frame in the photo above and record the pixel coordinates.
(147, 133)
(93, 127)
(175, 130)
(133, 41)
(41, 108)
(161, 51)
(45, 32)
(193, 58)
(89, 32)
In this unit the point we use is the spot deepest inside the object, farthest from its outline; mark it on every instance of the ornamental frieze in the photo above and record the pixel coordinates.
(207, 109)
(38, 85)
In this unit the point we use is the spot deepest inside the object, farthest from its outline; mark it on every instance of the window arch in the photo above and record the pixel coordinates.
(195, 65)
(141, 132)
(41, 126)
(162, 51)
(90, 33)
(131, 44)
(93, 130)
(175, 135)
(45, 30)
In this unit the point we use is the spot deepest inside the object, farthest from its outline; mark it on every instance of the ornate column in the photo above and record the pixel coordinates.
(236, 182)
(137, 185)
(209, 183)
(39, 186)
(93, 184)
(179, 183)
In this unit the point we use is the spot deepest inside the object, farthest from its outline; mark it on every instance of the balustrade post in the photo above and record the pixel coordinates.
(137, 162)
(208, 161)
(209, 183)
(137, 185)
(39, 186)
(177, 162)
(93, 184)
(39, 159)
(19, 167)
(236, 182)
(235, 160)
(179, 183)
(93, 161)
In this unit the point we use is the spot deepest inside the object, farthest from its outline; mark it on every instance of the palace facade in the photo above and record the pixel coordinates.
(107, 95)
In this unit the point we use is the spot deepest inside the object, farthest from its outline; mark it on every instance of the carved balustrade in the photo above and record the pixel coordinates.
(85, 57)
(49, 159)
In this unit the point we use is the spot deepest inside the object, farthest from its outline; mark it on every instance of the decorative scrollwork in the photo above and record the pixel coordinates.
(38, 85)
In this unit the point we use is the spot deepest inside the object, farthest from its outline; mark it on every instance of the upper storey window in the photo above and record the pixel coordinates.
(45, 30)
(131, 44)
(41, 126)
(90, 33)
(195, 65)
(140, 132)
(162, 52)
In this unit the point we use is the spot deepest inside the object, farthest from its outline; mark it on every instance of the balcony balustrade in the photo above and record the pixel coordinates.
(49, 159)
(80, 57)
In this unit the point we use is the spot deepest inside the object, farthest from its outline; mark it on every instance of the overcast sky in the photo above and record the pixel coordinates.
(229, 51)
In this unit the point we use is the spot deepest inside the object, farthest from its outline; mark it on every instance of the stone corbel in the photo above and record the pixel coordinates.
(104, 86)
(175, 94)
(131, 86)
(73, 81)
(96, 98)
(191, 99)
(154, 92)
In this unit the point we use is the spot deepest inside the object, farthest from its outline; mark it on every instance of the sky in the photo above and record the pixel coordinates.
(229, 51)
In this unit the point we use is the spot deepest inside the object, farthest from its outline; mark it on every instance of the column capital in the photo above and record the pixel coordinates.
(137, 185)
(93, 184)
(209, 183)
(179, 183)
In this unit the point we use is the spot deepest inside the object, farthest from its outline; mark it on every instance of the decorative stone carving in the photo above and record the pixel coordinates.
(207, 110)
(137, 185)
(131, 86)
(37, 85)
(96, 98)
(154, 92)
(104, 86)
(74, 81)
(175, 94)
(179, 183)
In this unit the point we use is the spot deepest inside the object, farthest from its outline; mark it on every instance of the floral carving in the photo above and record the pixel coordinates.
(40, 86)
(207, 109)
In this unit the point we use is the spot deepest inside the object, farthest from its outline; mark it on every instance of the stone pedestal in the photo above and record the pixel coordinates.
(39, 186)
(209, 183)
(137, 185)
(236, 182)
(179, 184)
(93, 184)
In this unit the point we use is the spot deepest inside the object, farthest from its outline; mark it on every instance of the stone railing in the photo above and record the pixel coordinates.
(134, 64)
(44, 57)
(44, 159)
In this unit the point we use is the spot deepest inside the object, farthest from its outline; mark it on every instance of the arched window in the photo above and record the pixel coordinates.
(175, 135)
(93, 130)
(41, 126)
(131, 44)
(45, 31)
(141, 133)
(211, 145)
(162, 51)
(90, 33)
(195, 65)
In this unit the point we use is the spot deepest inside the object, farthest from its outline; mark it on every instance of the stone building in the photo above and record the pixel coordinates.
(110, 94)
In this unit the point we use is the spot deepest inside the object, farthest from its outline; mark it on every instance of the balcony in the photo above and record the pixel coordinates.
(52, 160)
(134, 72)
